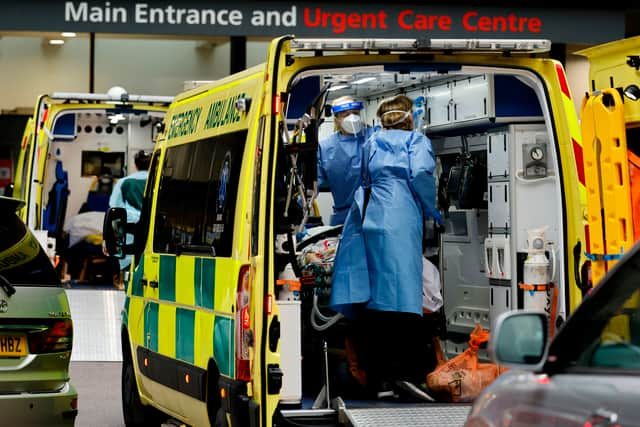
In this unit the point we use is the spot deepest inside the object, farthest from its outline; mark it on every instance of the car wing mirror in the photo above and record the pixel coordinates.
(519, 339)
(114, 234)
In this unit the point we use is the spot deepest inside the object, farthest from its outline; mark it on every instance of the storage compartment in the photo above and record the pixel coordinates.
(290, 351)
(480, 101)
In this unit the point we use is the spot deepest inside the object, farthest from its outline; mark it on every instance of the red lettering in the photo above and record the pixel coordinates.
(423, 22)
(307, 18)
(325, 18)
(338, 21)
(471, 21)
(466, 24)
(444, 23)
(484, 23)
(382, 16)
(401, 17)
(535, 25)
(353, 20)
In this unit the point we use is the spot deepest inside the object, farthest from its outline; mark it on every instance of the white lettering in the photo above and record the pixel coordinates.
(289, 17)
(235, 17)
(274, 18)
(194, 18)
(73, 14)
(221, 17)
(171, 15)
(257, 20)
(83, 13)
(142, 13)
(156, 16)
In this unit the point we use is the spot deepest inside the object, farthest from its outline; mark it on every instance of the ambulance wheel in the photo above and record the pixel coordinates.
(217, 416)
(135, 413)
(221, 419)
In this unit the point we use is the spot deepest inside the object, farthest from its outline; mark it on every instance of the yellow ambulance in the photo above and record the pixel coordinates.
(74, 148)
(226, 320)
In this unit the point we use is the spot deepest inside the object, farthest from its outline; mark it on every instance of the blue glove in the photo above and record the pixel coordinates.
(437, 217)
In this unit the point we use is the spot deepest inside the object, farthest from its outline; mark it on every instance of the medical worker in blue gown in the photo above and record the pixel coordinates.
(339, 156)
(378, 267)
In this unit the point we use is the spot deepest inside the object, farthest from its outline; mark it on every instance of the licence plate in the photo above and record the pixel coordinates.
(13, 345)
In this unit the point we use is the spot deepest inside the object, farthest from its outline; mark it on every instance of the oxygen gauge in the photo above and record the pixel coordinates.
(534, 159)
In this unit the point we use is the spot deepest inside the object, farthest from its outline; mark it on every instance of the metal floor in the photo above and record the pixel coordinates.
(96, 324)
(411, 416)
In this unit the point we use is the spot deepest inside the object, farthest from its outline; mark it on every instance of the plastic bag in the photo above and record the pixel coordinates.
(431, 295)
(462, 378)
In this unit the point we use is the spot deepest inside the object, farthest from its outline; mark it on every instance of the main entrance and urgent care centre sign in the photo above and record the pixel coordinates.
(315, 19)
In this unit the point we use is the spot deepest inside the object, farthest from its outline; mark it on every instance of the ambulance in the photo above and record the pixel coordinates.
(74, 148)
(226, 319)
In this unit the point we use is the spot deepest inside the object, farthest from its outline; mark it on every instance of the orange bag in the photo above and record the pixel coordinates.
(462, 378)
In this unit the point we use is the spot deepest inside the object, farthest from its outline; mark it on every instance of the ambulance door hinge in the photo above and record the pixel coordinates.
(274, 379)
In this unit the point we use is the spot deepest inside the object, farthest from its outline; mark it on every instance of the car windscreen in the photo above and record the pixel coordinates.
(604, 331)
(22, 259)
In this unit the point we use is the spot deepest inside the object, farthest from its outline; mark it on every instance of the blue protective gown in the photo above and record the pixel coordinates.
(379, 258)
(339, 161)
(118, 200)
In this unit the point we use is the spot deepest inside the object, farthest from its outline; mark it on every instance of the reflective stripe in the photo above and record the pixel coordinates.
(167, 278)
(185, 327)
(167, 330)
(151, 326)
(136, 280)
(185, 292)
(203, 338)
(204, 278)
(223, 345)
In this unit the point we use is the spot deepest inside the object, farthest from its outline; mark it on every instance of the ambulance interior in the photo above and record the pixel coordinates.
(499, 192)
(89, 150)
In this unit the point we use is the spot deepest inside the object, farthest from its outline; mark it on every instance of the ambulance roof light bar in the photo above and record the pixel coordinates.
(487, 45)
(104, 97)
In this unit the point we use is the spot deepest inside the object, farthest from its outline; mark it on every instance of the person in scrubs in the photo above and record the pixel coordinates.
(377, 279)
(339, 156)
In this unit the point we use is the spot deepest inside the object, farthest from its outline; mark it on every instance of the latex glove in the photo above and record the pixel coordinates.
(437, 217)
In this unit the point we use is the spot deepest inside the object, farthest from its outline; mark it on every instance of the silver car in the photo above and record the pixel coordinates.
(587, 376)
(36, 331)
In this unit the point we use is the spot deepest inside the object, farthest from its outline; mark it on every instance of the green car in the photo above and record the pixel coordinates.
(36, 331)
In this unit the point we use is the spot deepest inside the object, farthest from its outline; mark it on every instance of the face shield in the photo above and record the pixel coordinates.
(349, 118)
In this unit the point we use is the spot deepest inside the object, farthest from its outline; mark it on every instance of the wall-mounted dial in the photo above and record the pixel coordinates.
(536, 153)
(534, 159)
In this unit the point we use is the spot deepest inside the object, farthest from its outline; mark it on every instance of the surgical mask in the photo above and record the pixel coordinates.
(351, 124)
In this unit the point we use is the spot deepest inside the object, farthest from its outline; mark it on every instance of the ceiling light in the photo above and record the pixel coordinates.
(337, 87)
(114, 119)
(68, 34)
(56, 41)
(363, 80)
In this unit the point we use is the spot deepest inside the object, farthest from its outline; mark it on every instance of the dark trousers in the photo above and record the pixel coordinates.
(393, 346)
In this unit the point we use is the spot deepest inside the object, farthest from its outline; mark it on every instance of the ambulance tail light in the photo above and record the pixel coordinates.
(244, 333)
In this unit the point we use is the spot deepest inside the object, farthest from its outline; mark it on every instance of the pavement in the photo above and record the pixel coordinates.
(99, 396)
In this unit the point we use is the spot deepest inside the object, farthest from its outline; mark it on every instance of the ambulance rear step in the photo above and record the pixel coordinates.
(406, 415)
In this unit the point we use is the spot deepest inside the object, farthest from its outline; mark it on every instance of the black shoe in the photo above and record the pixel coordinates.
(413, 392)
(386, 391)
